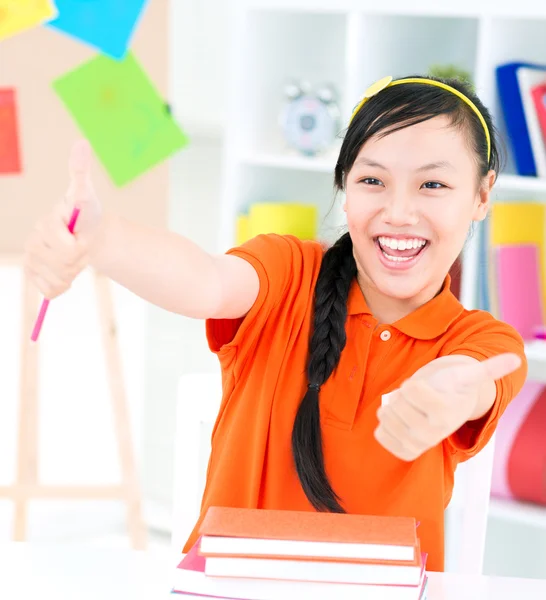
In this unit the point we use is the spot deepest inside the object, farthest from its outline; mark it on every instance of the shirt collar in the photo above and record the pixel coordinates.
(426, 322)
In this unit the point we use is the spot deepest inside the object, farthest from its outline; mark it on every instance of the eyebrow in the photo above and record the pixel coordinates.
(442, 164)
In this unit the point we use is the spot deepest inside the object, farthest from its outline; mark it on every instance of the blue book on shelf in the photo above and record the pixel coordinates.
(514, 115)
(483, 267)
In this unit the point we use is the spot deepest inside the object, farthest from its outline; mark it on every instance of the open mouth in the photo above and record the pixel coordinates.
(406, 251)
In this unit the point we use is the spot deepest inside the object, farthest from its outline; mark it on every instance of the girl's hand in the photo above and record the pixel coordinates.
(53, 256)
(436, 402)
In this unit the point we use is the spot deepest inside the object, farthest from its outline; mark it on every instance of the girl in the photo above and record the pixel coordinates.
(353, 379)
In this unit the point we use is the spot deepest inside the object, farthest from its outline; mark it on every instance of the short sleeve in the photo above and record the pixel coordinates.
(483, 337)
(279, 263)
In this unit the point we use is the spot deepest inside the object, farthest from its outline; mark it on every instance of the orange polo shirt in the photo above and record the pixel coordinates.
(263, 358)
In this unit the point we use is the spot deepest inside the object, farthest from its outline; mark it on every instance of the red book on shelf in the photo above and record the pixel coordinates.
(456, 274)
(307, 535)
(539, 98)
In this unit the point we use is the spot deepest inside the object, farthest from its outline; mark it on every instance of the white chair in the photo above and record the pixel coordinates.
(199, 396)
(467, 514)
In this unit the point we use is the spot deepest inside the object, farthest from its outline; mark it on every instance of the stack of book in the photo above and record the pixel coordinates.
(252, 554)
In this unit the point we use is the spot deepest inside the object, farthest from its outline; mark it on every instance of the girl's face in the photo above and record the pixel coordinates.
(410, 199)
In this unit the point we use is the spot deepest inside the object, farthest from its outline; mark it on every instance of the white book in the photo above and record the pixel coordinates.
(211, 545)
(314, 570)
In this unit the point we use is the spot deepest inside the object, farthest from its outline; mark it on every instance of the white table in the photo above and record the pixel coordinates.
(67, 572)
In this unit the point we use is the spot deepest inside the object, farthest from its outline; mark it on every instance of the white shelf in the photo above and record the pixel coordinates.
(519, 184)
(518, 512)
(536, 357)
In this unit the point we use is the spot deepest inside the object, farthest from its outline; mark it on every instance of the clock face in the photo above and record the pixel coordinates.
(309, 125)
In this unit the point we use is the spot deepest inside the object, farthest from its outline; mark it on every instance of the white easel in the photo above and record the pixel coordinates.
(27, 485)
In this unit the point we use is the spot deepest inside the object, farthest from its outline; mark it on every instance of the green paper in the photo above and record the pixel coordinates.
(121, 114)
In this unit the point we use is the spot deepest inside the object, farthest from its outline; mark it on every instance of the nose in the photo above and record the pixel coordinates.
(400, 210)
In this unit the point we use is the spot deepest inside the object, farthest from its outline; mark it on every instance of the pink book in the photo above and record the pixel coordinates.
(519, 287)
(190, 581)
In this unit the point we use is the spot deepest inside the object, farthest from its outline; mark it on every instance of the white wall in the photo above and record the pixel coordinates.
(199, 42)
(174, 344)
(76, 434)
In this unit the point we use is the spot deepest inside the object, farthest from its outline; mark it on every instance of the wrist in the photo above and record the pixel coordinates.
(98, 245)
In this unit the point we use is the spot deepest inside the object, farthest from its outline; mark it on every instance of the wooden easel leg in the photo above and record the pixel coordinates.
(135, 521)
(27, 450)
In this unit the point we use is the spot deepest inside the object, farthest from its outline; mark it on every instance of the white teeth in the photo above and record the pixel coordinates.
(397, 258)
(405, 244)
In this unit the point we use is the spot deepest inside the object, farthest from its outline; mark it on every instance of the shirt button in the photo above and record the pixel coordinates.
(385, 335)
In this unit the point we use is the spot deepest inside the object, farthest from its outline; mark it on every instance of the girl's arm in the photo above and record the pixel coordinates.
(172, 272)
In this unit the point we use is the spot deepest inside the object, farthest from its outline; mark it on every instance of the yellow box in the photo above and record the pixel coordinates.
(284, 218)
(241, 230)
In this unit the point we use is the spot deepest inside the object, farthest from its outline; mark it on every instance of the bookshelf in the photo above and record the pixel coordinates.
(350, 44)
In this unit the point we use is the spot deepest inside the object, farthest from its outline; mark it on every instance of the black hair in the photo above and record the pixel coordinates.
(391, 109)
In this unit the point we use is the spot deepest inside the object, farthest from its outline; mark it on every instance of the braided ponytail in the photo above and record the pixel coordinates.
(328, 339)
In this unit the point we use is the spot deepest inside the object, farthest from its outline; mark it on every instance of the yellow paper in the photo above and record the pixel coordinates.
(295, 219)
(521, 223)
(19, 15)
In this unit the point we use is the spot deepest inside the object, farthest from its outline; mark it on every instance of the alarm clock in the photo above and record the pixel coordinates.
(310, 119)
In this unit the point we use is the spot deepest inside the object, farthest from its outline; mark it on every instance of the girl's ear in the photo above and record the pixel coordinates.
(482, 206)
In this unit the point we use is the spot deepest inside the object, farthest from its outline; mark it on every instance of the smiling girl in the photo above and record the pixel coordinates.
(353, 379)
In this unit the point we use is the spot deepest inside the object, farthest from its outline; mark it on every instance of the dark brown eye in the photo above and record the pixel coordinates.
(433, 185)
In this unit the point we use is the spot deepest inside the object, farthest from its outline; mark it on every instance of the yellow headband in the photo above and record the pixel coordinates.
(376, 87)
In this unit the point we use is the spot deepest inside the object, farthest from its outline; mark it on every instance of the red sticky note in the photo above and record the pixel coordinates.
(10, 161)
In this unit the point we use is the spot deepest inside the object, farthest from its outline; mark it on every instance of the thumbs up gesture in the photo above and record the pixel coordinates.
(53, 256)
(437, 400)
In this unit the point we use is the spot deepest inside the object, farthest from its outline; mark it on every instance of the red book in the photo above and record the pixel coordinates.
(539, 98)
(307, 535)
